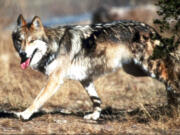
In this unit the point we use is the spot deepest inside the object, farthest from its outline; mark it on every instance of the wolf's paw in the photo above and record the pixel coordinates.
(25, 115)
(93, 116)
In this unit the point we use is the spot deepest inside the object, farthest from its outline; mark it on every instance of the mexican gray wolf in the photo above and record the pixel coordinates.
(84, 53)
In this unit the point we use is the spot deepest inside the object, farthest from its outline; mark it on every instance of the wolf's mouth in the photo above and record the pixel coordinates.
(25, 61)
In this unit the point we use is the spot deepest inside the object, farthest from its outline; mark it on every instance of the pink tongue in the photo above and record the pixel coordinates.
(25, 64)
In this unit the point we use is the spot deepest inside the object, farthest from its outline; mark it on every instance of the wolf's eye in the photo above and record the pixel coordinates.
(31, 41)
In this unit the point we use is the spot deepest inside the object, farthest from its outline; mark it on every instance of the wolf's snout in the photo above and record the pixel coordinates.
(22, 54)
(17, 46)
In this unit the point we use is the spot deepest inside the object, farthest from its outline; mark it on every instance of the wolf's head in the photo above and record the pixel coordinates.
(29, 41)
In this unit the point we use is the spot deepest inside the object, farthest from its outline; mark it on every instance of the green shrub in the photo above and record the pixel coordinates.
(168, 24)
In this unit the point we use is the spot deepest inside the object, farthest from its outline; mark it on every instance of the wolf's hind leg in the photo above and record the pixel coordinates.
(158, 69)
(89, 87)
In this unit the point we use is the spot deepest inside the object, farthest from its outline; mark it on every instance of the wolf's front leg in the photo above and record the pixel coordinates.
(89, 86)
(54, 83)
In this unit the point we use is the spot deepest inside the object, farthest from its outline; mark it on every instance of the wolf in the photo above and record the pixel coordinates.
(85, 53)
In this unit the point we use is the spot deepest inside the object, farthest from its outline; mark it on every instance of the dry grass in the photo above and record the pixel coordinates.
(136, 103)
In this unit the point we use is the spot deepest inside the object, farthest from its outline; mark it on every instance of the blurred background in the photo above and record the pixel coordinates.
(54, 12)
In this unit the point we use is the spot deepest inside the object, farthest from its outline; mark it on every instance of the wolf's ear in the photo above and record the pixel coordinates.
(21, 21)
(36, 23)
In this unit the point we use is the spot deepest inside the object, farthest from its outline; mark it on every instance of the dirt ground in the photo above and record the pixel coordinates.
(72, 124)
(131, 105)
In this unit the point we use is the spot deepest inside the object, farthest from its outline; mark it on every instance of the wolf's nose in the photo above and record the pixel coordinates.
(22, 54)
